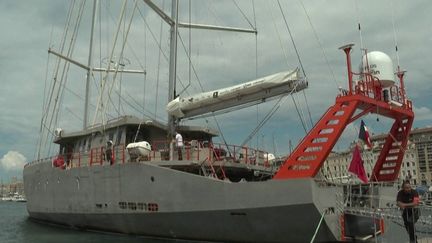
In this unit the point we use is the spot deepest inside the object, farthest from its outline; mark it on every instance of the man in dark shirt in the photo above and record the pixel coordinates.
(407, 199)
(108, 152)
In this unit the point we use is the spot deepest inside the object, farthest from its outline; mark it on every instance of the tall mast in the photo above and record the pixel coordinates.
(173, 64)
(90, 69)
(175, 24)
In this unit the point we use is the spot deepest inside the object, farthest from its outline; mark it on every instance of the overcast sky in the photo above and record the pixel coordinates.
(220, 59)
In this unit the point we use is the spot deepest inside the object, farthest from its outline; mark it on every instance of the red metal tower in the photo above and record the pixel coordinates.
(366, 96)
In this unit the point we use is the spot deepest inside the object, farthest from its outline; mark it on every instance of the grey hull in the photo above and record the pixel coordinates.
(188, 206)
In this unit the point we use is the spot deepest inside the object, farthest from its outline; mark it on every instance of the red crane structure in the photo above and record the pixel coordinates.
(369, 94)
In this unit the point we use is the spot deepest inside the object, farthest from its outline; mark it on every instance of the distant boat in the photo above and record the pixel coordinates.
(6, 199)
(18, 198)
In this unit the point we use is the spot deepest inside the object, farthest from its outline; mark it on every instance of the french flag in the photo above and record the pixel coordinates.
(364, 134)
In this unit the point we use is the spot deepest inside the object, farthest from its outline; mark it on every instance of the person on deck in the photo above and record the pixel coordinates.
(108, 153)
(408, 199)
(179, 145)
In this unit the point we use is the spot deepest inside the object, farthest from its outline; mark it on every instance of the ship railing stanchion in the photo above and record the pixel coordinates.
(114, 155)
(123, 153)
(101, 156)
(91, 157)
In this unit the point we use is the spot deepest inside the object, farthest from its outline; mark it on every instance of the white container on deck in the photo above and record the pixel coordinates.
(139, 150)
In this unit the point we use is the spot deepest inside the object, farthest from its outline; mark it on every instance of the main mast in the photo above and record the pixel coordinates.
(173, 65)
(90, 69)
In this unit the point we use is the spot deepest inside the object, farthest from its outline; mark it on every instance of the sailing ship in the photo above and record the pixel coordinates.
(123, 175)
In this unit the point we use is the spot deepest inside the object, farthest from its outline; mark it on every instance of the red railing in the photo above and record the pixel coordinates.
(370, 87)
(193, 150)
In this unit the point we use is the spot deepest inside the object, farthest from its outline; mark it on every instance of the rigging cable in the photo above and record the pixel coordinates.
(65, 70)
(190, 42)
(100, 103)
(221, 133)
(299, 59)
(323, 53)
(395, 36)
(54, 78)
(159, 61)
(139, 62)
(277, 104)
(320, 44)
(272, 111)
(118, 63)
(244, 15)
(358, 24)
(39, 141)
(256, 64)
(145, 81)
(158, 43)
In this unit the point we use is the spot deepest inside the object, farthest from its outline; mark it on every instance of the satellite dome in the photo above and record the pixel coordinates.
(380, 67)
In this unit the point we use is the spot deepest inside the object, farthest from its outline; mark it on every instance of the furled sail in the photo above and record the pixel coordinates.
(241, 94)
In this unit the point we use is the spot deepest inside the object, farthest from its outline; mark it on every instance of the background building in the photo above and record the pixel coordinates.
(422, 139)
(336, 166)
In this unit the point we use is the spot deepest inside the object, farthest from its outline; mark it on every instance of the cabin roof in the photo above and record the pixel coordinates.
(130, 120)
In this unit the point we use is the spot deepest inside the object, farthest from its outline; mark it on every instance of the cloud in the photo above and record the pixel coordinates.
(422, 113)
(13, 160)
(220, 59)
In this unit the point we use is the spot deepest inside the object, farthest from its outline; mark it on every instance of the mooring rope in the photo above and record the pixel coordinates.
(319, 226)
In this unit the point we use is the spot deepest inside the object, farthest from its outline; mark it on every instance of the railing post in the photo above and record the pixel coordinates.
(210, 154)
(113, 155)
(101, 156)
(91, 157)
(188, 152)
(123, 153)
(198, 154)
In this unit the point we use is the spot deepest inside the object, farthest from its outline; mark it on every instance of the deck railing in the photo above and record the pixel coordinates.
(192, 150)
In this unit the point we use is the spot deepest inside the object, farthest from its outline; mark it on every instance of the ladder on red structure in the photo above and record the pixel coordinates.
(307, 159)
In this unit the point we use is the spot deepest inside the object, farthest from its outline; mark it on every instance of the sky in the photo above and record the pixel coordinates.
(219, 59)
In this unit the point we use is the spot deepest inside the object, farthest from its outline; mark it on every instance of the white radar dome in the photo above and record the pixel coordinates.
(380, 67)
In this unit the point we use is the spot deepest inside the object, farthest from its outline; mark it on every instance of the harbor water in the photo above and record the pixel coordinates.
(15, 226)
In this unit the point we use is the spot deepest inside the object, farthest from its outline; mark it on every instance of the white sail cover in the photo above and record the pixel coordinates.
(249, 92)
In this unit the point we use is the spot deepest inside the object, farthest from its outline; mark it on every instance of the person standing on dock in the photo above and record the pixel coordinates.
(408, 199)
(179, 145)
